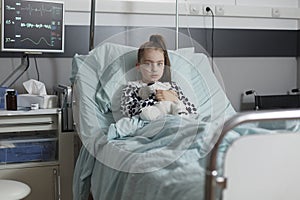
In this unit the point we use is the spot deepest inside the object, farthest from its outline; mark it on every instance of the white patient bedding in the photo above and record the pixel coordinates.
(163, 159)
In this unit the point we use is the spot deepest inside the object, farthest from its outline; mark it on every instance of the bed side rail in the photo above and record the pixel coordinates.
(212, 178)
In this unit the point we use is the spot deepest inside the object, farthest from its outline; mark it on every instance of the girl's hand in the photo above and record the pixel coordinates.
(166, 95)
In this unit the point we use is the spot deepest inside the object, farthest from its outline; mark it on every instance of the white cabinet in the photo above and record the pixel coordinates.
(35, 151)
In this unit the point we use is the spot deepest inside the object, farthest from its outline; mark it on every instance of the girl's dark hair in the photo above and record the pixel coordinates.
(157, 42)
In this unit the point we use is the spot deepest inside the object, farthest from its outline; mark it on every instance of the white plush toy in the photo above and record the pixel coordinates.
(161, 108)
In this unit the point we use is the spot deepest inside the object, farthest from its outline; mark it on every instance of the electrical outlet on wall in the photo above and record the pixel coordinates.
(207, 9)
(219, 10)
(275, 12)
(194, 9)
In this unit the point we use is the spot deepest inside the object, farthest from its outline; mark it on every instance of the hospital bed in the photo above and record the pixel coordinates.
(177, 157)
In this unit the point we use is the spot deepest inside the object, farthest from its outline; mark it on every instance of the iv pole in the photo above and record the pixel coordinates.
(177, 25)
(92, 25)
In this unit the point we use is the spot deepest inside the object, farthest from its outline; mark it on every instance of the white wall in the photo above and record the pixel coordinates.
(52, 71)
(235, 13)
(274, 75)
(265, 75)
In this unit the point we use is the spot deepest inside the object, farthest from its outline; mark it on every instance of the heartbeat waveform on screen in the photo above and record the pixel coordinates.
(8, 7)
(38, 26)
(38, 42)
(41, 10)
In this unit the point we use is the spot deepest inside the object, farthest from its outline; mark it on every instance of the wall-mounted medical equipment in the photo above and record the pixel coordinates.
(32, 26)
(276, 101)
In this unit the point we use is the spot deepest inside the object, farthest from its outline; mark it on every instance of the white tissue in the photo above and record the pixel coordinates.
(35, 87)
(36, 95)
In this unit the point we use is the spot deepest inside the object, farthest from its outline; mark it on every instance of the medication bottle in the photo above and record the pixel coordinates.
(11, 100)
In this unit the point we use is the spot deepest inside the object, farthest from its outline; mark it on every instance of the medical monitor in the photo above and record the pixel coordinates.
(32, 26)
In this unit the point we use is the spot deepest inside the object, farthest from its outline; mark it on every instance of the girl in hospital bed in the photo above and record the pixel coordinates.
(155, 95)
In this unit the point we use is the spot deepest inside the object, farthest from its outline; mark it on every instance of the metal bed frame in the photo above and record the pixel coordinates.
(213, 179)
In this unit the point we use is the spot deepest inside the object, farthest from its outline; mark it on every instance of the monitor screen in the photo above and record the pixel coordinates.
(32, 26)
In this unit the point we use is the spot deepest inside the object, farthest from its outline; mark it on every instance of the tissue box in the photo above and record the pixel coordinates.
(46, 101)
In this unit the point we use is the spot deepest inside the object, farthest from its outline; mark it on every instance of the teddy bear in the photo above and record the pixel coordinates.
(161, 108)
